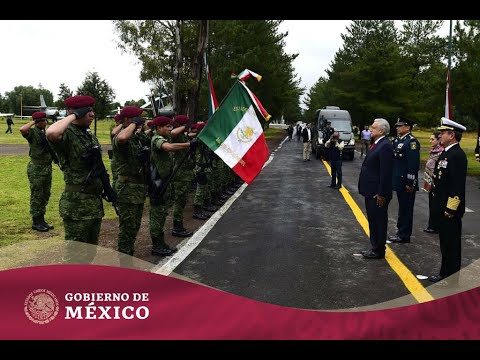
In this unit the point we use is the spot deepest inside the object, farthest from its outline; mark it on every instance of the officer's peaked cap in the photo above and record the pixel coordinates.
(404, 121)
(447, 124)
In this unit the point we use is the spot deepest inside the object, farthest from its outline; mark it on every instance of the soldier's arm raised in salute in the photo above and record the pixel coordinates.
(55, 131)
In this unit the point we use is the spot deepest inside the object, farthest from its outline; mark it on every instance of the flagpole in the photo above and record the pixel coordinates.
(448, 104)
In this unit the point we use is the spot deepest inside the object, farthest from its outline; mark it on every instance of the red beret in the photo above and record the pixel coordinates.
(79, 101)
(181, 119)
(200, 126)
(131, 111)
(118, 117)
(39, 115)
(161, 121)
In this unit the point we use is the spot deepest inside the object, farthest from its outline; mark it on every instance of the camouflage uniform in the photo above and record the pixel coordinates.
(82, 211)
(163, 162)
(39, 171)
(202, 194)
(113, 166)
(182, 183)
(131, 189)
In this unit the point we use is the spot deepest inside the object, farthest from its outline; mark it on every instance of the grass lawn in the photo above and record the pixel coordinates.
(103, 131)
(15, 201)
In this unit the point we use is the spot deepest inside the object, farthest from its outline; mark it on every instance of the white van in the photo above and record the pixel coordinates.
(340, 121)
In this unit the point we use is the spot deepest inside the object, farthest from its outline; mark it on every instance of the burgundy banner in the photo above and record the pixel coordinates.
(101, 302)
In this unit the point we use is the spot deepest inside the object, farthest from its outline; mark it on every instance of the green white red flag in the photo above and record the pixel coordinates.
(235, 134)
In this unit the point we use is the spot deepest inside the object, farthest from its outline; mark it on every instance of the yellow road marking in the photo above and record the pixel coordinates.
(408, 279)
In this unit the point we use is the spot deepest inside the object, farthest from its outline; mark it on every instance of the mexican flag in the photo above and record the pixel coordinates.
(235, 134)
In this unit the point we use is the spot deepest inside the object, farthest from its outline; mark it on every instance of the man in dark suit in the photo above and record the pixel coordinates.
(375, 184)
(448, 194)
(406, 163)
(307, 142)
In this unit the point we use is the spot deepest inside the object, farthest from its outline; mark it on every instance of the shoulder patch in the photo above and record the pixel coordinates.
(413, 145)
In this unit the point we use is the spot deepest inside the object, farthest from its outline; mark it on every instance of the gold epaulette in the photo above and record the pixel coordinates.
(453, 203)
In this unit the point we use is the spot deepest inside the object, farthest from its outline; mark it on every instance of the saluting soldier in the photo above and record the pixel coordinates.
(448, 194)
(39, 169)
(406, 163)
(114, 131)
(131, 160)
(162, 162)
(81, 206)
(183, 179)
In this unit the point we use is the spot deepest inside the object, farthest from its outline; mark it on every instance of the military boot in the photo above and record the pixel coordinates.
(160, 247)
(179, 231)
(44, 223)
(198, 213)
(208, 206)
(37, 224)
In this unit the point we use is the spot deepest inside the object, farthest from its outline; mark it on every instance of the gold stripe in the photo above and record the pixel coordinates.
(453, 203)
(404, 273)
(444, 127)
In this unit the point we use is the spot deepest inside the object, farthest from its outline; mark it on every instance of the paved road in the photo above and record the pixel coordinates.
(290, 240)
(22, 149)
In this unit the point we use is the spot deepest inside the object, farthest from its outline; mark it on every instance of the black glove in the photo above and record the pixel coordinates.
(138, 120)
(189, 124)
(81, 112)
(193, 143)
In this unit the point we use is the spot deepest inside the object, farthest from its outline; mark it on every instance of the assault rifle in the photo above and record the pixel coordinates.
(93, 158)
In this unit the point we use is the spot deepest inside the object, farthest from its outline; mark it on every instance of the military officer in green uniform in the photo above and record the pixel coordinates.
(162, 163)
(131, 183)
(406, 163)
(39, 169)
(184, 177)
(81, 206)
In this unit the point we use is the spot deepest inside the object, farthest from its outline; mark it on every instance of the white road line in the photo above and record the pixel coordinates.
(468, 210)
(168, 264)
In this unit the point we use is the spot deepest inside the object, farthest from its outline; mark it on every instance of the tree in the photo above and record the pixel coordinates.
(423, 52)
(64, 93)
(368, 75)
(233, 45)
(26, 96)
(104, 95)
(466, 74)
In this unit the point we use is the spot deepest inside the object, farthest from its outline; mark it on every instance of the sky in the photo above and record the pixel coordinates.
(51, 52)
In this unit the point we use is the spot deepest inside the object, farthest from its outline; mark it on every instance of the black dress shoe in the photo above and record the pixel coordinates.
(398, 240)
(435, 278)
(430, 231)
(372, 255)
(338, 187)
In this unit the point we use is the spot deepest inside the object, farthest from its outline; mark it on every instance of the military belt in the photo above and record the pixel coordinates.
(87, 189)
(131, 179)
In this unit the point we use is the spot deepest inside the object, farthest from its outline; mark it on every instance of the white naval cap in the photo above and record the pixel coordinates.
(448, 124)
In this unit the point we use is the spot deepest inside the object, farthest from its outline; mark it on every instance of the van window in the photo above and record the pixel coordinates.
(340, 125)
